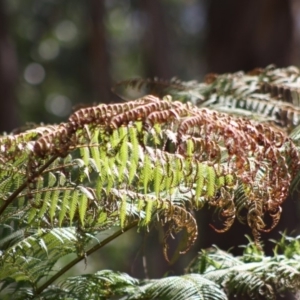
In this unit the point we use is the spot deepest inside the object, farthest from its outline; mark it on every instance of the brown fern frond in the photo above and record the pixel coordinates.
(178, 145)
(226, 209)
(178, 219)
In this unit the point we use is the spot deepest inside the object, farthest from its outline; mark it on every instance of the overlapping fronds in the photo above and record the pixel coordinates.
(213, 274)
(34, 256)
(101, 285)
(105, 284)
(269, 94)
(253, 275)
(148, 160)
(190, 286)
(80, 172)
(174, 145)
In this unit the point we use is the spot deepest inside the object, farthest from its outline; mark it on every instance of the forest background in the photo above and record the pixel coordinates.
(56, 55)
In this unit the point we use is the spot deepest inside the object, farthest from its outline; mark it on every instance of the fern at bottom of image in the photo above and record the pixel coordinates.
(213, 275)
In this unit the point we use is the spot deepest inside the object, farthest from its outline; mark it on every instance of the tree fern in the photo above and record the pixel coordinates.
(154, 159)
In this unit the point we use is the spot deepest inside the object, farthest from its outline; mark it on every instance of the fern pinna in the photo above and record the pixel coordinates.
(154, 159)
(177, 147)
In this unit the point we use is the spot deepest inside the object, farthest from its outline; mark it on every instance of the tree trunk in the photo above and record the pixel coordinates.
(99, 57)
(243, 35)
(157, 50)
(8, 76)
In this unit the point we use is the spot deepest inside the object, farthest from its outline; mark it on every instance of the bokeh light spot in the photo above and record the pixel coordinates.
(49, 49)
(66, 31)
(34, 73)
(58, 105)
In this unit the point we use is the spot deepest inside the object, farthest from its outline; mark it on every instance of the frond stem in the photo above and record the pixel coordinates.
(23, 186)
(82, 257)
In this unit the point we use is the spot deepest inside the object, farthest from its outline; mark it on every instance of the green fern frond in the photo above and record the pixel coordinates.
(73, 203)
(146, 172)
(252, 274)
(32, 258)
(82, 208)
(211, 179)
(148, 211)
(64, 208)
(123, 207)
(11, 238)
(53, 204)
(101, 285)
(191, 286)
(101, 148)
(158, 176)
(123, 155)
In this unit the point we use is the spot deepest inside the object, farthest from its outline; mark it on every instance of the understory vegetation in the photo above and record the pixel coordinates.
(230, 143)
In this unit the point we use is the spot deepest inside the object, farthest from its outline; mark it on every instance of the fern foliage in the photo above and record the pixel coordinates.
(190, 286)
(213, 274)
(253, 275)
(176, 146)
(25, 260)
(101, 285)
(154, 159)
(268, 95)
